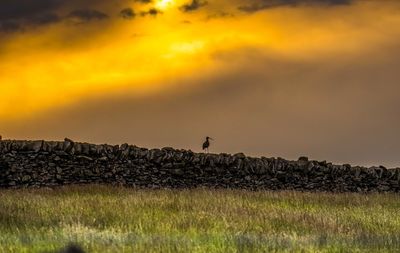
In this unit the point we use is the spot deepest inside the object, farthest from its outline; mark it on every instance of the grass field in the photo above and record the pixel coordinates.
(107, 219)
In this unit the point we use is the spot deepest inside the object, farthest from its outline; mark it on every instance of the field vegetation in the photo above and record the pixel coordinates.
(111, 219)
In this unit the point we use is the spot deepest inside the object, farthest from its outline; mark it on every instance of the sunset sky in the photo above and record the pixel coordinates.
(283, 78)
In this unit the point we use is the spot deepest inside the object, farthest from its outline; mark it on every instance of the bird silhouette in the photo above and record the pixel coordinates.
(206, 144)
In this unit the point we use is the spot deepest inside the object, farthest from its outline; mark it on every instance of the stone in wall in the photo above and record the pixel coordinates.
(51, 163)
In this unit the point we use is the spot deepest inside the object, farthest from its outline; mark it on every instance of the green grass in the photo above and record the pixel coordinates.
(108, 219)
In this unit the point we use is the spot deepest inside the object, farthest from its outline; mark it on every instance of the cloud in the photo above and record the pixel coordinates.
(9, 26)
(258, 5)
(193, 6)
(86, 15)
(127, 13)
(152, 12)
(17, 14)
(309, 87)
(19, 9)
(220, 14)
(24, 15)
(143, 1)
(20, 15)
(46, 18)
(13, 25)
(322, 109)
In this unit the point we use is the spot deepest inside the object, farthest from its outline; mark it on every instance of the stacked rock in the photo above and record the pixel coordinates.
(51, 163)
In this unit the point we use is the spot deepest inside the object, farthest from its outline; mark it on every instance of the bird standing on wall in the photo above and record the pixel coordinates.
(206, 144)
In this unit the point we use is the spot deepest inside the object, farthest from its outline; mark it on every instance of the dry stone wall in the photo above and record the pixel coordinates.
(50, 163)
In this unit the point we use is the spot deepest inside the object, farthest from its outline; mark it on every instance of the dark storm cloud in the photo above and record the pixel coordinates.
(25, 9)
(86, 15)
(9, 26)
(18, 15)
(152, 12)
(193, 6)
(46, 18)
(127, 13)
(258, 5)
(13, 25)
(144, 1)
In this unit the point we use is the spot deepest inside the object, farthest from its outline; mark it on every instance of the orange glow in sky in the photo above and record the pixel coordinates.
(61, 64)
(264, 77)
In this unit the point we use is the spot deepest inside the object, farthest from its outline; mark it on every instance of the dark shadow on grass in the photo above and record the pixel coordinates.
(72, 248)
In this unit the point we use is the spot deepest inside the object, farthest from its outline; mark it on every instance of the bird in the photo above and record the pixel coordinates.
(206, 144)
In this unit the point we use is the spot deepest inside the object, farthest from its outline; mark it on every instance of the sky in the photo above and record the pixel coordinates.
(274, 78)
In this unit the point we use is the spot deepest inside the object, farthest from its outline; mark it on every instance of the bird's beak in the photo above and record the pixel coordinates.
(211, 139)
